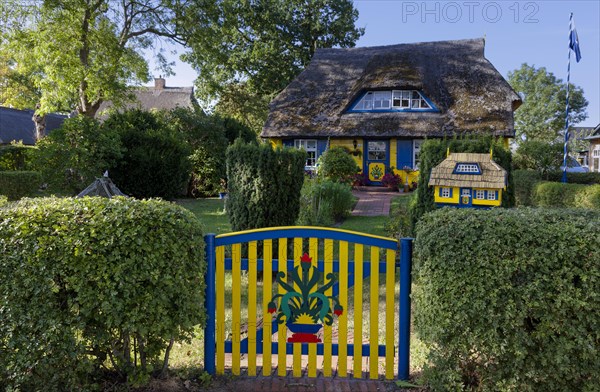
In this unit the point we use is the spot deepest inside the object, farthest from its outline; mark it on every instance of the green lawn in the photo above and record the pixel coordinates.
(210, 212)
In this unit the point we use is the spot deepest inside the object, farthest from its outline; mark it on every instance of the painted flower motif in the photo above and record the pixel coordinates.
(337, 310)
(306, 258)
(271, 308)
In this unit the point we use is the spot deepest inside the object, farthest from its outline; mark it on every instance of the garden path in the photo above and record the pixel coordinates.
(373, 201)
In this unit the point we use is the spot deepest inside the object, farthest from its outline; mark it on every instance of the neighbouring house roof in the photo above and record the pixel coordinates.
(492, 175)
(596, 134)
(471, 95)
(158, 97)
(17, 125)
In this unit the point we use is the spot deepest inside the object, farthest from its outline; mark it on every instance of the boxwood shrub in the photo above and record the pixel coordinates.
(16, 156)
(525, 182)
(18, 184)
(557, 194)
(92, 283)
(574, 178)
(508, 300)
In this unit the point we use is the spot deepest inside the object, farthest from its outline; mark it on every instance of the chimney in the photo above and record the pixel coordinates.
(159, 83)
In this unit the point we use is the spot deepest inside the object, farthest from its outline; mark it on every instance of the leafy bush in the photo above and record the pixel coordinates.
(16, 157)
(574, 178)
(434, 151)
(156, 162)
(92, 283)
(391, 180)
(264, 185)
(539, 156)
(18, 184)
(525, 182)
(3, 201)
(206, 137)
(337, 164)
(557, 194)
(399, 223)
(72, 156)
(323, 202)
(507, 299)
(234, 129)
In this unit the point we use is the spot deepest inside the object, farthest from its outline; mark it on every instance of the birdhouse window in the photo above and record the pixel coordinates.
(310, 146)
(491, 195)
(479, 194)
(467, 168)
(445, 192)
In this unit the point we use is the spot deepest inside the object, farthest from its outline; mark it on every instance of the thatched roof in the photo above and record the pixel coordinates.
(492, 175)
(470, 93)
(159, 97)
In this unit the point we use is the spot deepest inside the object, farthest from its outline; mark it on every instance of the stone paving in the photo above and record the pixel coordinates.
(374, 202)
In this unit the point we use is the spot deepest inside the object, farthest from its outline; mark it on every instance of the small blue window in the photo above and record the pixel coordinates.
(467, 168)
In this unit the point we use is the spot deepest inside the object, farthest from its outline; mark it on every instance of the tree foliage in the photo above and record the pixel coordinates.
(539, 156)
(542, 115)
(75, 54)
(257, 47)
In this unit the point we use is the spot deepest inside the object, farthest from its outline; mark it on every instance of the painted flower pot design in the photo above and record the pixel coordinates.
(305, 308)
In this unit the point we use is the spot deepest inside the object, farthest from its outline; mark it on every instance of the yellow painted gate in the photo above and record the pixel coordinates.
(328, 300)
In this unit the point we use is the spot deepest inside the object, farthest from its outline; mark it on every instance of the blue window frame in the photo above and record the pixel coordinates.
(393, 101)
(467, 168)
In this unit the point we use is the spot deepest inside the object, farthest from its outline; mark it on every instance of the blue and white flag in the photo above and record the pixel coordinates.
(574, 41)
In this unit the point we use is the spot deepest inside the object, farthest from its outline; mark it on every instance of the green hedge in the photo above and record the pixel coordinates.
(557, 194)
(336, 164)
(92, 283)
(264, 185)
(507, 299)
(574, 178)
(16, 157)
(18, 184)
(524, 185)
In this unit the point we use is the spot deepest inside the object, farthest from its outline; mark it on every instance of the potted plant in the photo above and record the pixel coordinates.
(223, 189)
(407, 170)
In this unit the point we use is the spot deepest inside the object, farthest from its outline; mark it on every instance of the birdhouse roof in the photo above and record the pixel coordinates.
(448, 173)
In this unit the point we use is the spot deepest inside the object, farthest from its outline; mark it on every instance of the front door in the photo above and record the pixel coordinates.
(465, 197)
(377, 158)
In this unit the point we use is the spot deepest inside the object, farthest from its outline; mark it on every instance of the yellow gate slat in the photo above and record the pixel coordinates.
(328, 269)
(220, 309)
(297, 351)
(267, 294)
(236, 291)
(343, 319)
(358, 318)
(374, 310)
(313, 251)
(282, 330)
(390, 281)
(252, 308)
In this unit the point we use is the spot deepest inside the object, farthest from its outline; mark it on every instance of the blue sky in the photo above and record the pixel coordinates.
(516, 32)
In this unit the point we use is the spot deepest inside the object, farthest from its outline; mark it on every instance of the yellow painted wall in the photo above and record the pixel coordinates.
(348, 144)
(276, 143)
(449, 200)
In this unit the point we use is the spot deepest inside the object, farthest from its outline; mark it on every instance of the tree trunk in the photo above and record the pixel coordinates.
(40, 123)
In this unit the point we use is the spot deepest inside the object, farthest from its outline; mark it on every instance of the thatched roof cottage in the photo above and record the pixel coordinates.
(382, 102)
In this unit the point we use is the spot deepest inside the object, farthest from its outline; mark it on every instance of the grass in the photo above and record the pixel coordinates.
(211, 212)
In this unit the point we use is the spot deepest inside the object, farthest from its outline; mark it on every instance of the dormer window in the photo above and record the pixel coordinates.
(467, 168)
(394, 100)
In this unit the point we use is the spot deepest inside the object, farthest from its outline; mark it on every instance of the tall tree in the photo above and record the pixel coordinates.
(75, 54)
(249, 50)
(542, 115)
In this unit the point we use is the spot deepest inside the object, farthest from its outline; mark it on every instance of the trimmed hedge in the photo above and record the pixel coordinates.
(525, 182)
(574, 178)
(507, 299)
(92, 283)
(557, 194)
(16, 157)
(264, 185)
(18, 184)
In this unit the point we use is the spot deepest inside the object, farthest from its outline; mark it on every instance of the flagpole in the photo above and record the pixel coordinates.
(566, 147)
